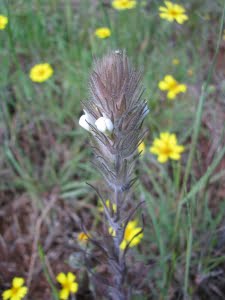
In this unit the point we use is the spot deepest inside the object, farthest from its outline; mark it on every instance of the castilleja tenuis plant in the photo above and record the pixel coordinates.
(114, 116)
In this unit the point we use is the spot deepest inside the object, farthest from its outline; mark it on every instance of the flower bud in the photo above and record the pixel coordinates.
(83, 122)
(104, 125)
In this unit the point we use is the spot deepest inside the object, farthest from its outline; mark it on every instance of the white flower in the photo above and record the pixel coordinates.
(85, 120)
(104, 125)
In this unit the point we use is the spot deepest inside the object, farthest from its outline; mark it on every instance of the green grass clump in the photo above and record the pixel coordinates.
(43, 149)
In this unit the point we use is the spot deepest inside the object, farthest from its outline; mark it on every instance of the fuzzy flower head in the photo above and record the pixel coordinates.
(41, 72)
(114, 115)
(173, 12)
(166, 147)
(173, 87)
(17, 290)
(103, 32)
(124, 4)
(3, 22)
(68, 284)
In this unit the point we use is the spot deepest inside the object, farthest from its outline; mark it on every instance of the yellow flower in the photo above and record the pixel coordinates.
(103, 32)
(173, 12)
(166, 147)
(41, 72)
(82, 237)
(141, 148)
(132, 235)
(175, 61)
(124, 4)
(68, 285)
(17, 291)
(3, 22)
(172, 86)
(101, 207)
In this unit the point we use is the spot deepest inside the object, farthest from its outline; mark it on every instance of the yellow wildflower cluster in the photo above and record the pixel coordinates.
(173, 12)
(124, 4)
(173, 87)
(166, 147)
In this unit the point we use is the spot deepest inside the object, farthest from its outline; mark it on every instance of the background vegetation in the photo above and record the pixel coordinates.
(45, 155)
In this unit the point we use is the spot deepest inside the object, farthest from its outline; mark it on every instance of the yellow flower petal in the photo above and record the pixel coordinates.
(180, 149)
(182, 88)
(169, 79)
(135, 236)
(7, 294)
(169, 4)
(171, 95)
(166, 16)
(71, 277)
(17, 282)
(132, 224)
(162, 158)
(163, 85)
(173, 139)
(153, 150)
(61, 278)
(64, 294)
(22, 292)
(74, 287)
(162, 9)
(175, 156)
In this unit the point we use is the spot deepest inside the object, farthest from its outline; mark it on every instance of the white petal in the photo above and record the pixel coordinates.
(101, 125)
(83, 122)
(109, 125)
(89, 118)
